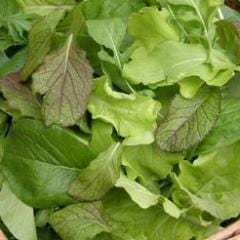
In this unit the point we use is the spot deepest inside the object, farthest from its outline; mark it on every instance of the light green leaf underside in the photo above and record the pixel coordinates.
(17, 217)
(189, 120)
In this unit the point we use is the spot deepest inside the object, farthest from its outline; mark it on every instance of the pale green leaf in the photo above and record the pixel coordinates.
(139, 194)
(65, 80)
(171, 62)
(17, 216)
(45, 7)
(80, 221)
(151, 27)
(99, 177)
(189, 120)
(43, 162)
(124, 112)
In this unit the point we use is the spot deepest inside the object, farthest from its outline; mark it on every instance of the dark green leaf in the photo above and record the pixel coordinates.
(43, 162)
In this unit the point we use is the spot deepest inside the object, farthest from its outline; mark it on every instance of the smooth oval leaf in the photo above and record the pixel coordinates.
(43, 162)
(65, 80)
(189, 120)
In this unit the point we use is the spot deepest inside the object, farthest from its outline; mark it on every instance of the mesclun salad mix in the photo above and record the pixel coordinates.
(120, 119)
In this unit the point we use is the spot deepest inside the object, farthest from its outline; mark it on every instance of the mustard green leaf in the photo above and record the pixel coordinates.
(80, 221)
(19, 97)
(65, 80)
(99, 177)
(189, 120)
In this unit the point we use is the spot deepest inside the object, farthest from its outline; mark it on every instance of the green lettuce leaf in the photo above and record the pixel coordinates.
(150, 27)
(227, 129)
(131, 222)
(212, 182)
(148, 164)
(189, 121)
(124, 112)
(101, 138)
(13, 64)
(43, 162)
(171, 62)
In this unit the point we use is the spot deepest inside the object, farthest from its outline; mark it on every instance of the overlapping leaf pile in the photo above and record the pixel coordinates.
(120, 119)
